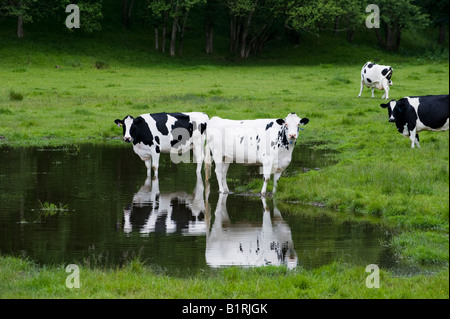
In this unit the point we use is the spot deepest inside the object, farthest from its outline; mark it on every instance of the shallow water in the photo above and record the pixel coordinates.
(93, 205)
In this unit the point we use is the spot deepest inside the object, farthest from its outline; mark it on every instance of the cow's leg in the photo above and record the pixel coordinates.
(373, 89)
(224, 177)
(276, 177)
(266, 172)
(148, 164)
(386, 91)
(155, 164)
(362, 87)
(219, 170)
(417, 140)
(412, 137)
(197, 149)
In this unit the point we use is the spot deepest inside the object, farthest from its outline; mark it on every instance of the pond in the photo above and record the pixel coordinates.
(93, 205)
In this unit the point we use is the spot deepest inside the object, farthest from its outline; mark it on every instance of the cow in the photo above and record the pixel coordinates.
(247, 243)
(153, 134)
(265, 142)
(376, 76)
(413, 114)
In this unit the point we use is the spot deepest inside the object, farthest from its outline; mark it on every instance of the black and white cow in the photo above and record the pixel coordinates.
(376, 76)
(414, 114)
(266, 142)
(175, 133)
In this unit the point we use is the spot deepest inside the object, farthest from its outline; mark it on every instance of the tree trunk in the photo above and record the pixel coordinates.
(164, 33)
(232, 32)
(336, 26)
(183, 28)
(350, 35)
(380, 39)
(126, 13)
(245, 30)
(20, 32)
(174, 33)
(156, 39)
(397, 40)
(129, 12)
(237, 36)
(209, 34)
(442, 33)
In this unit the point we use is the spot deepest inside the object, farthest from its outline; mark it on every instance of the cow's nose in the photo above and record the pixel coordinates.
(292, 136)
(127, 139)
(391, 119)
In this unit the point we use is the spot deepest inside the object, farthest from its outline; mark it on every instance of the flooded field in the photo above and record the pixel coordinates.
(93, 205)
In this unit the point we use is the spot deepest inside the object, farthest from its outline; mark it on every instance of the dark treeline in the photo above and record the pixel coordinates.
(250, 24)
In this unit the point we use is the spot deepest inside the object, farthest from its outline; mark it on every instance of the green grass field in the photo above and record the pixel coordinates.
(54, 95)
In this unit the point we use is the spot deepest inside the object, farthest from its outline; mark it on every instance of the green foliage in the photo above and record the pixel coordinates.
(404, 13)
(51, 209)
(308, 15)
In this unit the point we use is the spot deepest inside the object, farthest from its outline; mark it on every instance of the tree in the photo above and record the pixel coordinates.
(29, 11)
(312, 15)
(251, 24)
(351, 17)
(396, 16)
(179, 10)
(22, 9)
(211, 8)
(159, 10)
(127, 9)
(438, 12)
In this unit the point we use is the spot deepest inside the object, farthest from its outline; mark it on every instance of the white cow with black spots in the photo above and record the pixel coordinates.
(376, 76)
(264, 142)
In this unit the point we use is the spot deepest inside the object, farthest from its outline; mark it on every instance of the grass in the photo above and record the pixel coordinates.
(54, 97)
(22, 279)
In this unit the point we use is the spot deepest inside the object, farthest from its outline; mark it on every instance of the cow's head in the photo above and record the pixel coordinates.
(292, 124)
(390, 106)
(126, 124)
(389, 76)
(397, 110)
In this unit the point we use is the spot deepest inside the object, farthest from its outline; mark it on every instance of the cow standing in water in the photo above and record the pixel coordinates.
(153, 134)
(376, 76)
(265, 142)
(414, 114)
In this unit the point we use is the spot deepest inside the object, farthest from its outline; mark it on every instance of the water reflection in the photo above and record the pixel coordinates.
(242, 243)
(249, 244)
(170, 223)
(152, 211)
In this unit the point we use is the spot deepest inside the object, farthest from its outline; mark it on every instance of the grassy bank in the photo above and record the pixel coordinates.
(21, 279)
(52, 96)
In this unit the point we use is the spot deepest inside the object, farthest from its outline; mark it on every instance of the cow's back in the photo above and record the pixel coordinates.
(433, 110)
(246, 141)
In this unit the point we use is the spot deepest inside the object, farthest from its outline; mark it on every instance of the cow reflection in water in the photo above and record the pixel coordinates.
(152, 211)
(244, 244)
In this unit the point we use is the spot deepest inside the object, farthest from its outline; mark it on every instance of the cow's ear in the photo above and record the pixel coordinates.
(280, 121)
(304, 121)
(384, 105)
(118, 122)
